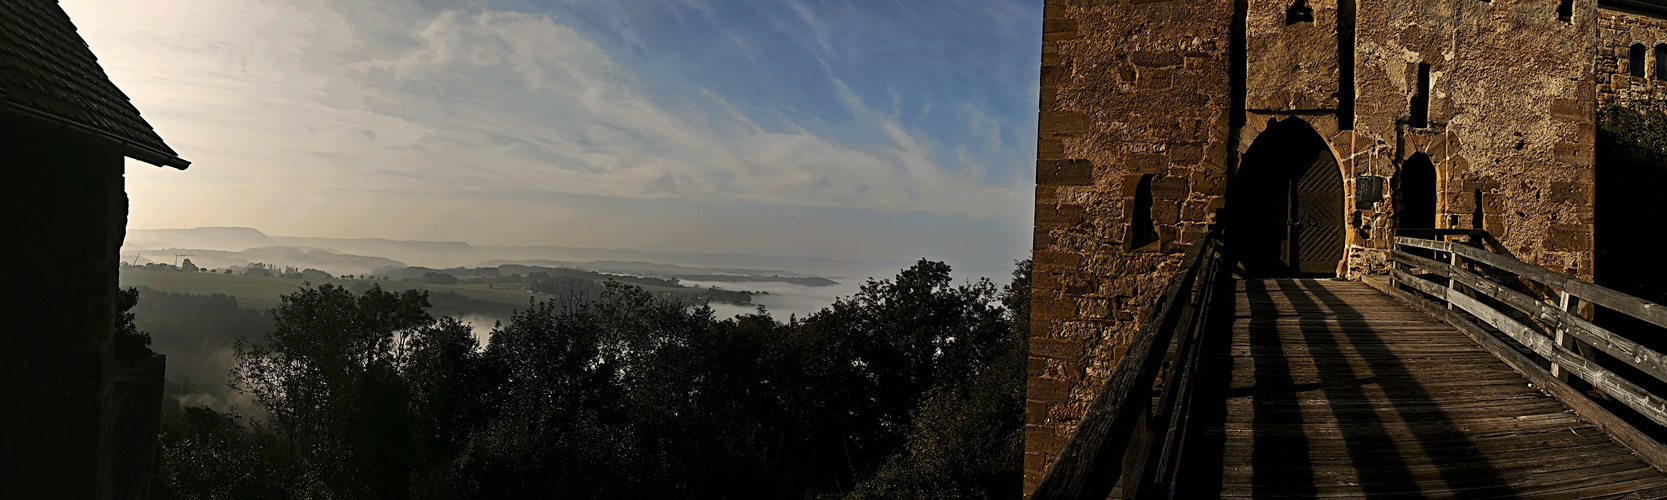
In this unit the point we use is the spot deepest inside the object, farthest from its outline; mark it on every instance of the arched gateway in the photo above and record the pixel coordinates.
(1285, 205)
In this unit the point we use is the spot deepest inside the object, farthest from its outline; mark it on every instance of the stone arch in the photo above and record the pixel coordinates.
(1323, 125)
(1285, 210)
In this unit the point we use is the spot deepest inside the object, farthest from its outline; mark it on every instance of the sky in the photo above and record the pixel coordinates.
(861, 130)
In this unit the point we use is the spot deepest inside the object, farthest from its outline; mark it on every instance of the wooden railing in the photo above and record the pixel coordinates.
(1536, 310)
(1135, 426)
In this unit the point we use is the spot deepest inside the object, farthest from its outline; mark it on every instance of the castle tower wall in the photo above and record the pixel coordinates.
(1130, 92)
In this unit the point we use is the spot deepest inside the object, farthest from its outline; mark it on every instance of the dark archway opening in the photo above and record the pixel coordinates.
(1285, 204)
(1417, 194)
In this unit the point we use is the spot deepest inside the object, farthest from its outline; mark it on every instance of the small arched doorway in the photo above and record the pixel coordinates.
(1417, 194)
(1285, 205)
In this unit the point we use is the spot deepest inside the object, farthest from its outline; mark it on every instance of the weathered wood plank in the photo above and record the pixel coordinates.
(1603, 296)
(1624, 390)
(1642, 444)
(1409, 410)
(1645, 359)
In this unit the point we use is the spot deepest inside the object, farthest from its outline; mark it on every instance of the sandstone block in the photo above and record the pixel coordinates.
(1064, 172)
(1169, 188)
(1156, 79)
(1156, 59)
(1055, 261)
(1209, 183)
(1035, 413)
(1059, 25)
(1043, 438)
(1053, 307)
(1062, 215)
(1036, 366)
(1567, 237)
(1061, 123)
(1165, 212)
(1569, 192)
(1147, 163)
(1049, 148)
(1047, 390)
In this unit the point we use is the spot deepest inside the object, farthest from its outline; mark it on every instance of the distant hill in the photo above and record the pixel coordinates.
(325, 260)
(421, 253)
(226, 239)
(455, 254)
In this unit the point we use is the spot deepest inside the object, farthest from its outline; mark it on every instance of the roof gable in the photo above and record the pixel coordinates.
(50, 76)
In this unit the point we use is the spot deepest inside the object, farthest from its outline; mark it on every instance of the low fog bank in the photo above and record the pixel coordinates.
(481, 326)
(781, 299)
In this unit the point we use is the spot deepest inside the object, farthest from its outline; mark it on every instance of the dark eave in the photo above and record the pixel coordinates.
(47, 121)
(50, 79)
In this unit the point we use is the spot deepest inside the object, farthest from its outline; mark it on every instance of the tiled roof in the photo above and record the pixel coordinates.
(49, 75)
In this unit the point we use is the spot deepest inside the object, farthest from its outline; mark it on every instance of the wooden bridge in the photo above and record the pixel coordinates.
(1463, 374)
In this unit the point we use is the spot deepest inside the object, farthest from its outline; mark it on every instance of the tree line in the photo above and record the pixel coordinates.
(913, 387)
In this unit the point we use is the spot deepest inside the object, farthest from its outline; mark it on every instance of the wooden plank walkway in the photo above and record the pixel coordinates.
(1337, 390)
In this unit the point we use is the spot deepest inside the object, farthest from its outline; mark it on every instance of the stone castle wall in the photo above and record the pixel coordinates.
(1128, 90)
(1136, 88)
(1618, 30)
(1510, 120)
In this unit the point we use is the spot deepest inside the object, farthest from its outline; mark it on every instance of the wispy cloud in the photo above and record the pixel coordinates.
(790, 105)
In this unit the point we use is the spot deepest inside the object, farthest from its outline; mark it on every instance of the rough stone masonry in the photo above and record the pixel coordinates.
(1162, 118)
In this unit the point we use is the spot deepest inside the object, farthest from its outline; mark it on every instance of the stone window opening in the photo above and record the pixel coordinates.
(1661, 62)
(1420, 104)
(1635, 60)
(1565, 10)
(1416, 193)
(1299, 12)
(1476, 215)
(1142, 231)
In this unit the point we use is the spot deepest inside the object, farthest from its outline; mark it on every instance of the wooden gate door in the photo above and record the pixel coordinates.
(1316, 217)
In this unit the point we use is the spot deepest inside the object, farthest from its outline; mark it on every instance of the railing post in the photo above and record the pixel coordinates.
(1570, 304)
(1452, 283)
(1394, 265)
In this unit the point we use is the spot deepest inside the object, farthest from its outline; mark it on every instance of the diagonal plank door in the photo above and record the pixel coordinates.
(1337, 390)
(1319, 211)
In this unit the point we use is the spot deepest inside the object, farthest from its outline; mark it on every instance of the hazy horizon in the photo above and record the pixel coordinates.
(854, 131)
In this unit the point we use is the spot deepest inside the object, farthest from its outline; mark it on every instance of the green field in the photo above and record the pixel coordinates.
(262, 293)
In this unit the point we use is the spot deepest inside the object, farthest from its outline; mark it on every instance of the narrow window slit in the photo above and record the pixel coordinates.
(1661, 62)
(1142, 231)
(1421, 98)
(1635, 60)
(1476, 215)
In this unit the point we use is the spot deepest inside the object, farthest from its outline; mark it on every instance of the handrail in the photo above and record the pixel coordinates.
(1123, 435)
(1567, 343)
